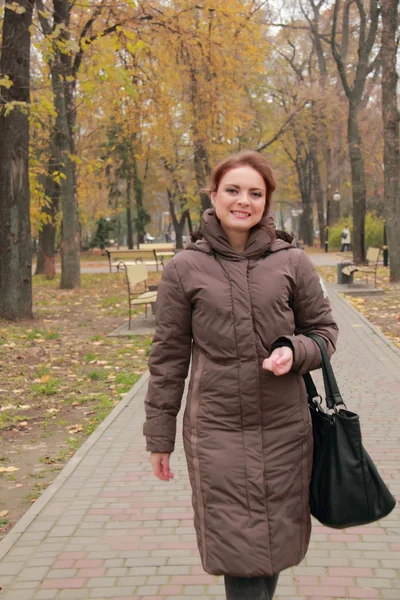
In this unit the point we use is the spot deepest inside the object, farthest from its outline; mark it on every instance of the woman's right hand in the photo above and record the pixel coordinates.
(160, 464)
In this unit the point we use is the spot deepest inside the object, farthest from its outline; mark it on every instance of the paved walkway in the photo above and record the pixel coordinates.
(107, 529)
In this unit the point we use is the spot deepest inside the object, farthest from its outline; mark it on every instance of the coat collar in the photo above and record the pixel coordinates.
(214, 240)
(260, 242)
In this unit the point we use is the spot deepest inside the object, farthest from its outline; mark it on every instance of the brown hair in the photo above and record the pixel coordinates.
(259, 163)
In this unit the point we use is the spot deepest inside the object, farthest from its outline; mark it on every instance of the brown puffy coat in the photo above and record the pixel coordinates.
(247, 433)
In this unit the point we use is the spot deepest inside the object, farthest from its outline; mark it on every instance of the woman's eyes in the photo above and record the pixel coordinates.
(234, 191)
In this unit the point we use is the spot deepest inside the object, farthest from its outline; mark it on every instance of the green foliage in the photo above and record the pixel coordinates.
(373, 231)
(102, 235)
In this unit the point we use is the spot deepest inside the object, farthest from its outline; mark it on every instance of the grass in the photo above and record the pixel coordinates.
(97, 375)
(47, 388)
(66, 371)
(126, 380)
(8, 420)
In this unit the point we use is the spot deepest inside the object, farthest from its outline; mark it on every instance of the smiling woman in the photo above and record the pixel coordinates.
(239, 203)
(238, 302)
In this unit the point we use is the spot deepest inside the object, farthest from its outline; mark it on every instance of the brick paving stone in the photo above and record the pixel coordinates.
(112, 531)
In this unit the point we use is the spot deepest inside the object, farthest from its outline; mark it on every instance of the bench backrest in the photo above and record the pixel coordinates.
(373, 255)
(158, 246)
(136, 274)
(134, 254)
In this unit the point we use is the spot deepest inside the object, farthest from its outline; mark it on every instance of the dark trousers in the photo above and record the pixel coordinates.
(253, 588)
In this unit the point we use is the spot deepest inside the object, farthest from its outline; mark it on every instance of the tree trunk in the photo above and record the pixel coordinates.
(177, 224)
(304, 176)
(46, 255)
(202, 171)
(129, 216)
(317, 186)
(358, 185)
(391, 118)
(142, 218)
(15, 229)
(65, 147)
(189, 221)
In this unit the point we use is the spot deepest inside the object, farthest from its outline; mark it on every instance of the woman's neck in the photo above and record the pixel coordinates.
(237, 239)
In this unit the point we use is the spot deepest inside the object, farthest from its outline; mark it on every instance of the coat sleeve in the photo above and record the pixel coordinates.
(168, 363)
(313, 314)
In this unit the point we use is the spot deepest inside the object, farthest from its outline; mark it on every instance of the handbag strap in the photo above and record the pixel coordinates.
(312, 391)
(333, 396)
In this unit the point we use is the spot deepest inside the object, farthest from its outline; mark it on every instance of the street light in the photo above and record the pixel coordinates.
(336, 198)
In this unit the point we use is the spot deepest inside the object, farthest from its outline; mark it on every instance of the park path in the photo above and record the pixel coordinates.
(107, 529)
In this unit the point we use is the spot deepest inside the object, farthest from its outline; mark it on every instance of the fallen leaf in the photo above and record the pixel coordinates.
(75, 403)
(44, 378)
(23, 424)
(75, 428)
(52, 410)
(19, 485)
(8, 469)
(3, 513)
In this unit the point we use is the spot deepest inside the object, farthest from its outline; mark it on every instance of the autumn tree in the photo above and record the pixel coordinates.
(15, 234)
(391, 120)
(353, 78)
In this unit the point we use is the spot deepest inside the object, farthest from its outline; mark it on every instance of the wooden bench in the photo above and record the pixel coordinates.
(159, 246)
(373, 256)
(136, 275)
(147, 256)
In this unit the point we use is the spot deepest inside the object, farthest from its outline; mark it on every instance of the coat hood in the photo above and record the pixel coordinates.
(214, 239)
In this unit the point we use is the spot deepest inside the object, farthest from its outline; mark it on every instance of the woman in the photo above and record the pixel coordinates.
(239, 302)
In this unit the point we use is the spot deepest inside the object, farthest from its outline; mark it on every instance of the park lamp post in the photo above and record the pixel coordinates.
(336, 198)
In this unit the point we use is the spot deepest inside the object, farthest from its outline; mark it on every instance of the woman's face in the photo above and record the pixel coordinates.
(240, 199)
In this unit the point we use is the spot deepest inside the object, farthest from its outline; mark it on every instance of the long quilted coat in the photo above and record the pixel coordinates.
(247, 433)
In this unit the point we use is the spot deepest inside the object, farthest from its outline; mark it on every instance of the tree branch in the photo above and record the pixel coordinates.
(282, 129)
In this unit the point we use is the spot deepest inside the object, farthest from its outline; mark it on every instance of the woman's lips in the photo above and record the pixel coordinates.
(240, 215)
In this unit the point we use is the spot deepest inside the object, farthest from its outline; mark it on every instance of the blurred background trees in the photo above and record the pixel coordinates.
(131, 104)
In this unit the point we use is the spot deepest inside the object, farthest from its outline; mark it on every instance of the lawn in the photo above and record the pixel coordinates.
(383, 310)
(60, 377)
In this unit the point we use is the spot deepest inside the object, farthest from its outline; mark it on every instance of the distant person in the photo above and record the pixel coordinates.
(236, 305)
(346, 239)
(167, 237)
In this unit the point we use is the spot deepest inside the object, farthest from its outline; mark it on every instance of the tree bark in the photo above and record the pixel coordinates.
(317, 186)
(142, 217)
(15, 229)
(129, 216)
(178, 224)
(46, 255)
(65, 147)
(391, 119)
(358, 185)
(354, 87)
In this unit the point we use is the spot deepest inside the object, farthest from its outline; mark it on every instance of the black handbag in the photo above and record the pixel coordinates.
(346, 489)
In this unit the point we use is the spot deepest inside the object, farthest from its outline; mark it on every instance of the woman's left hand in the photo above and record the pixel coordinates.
(280, 362)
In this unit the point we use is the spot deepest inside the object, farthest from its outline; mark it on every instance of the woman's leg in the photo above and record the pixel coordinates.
(253, 588)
